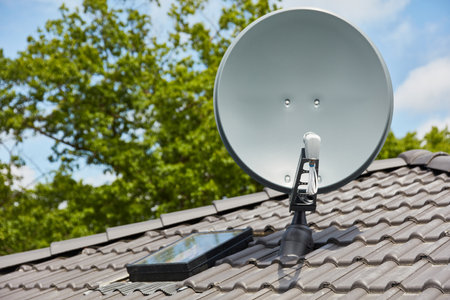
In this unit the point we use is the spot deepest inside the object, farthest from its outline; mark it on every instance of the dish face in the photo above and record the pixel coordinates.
(302, 70)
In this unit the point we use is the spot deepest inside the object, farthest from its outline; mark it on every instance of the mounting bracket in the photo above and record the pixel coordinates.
(299, 199)
(297, 240)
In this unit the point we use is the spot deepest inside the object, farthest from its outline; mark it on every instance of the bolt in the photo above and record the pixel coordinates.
(316, 103)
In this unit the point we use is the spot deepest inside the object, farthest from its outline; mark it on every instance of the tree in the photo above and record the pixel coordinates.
(435, 140)
(105, 90)
(394, 146)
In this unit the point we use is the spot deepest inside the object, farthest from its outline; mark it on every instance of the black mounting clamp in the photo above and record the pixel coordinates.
(300, 199)
(297, 240)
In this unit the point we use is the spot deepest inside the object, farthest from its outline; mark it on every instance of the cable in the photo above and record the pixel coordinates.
(313, 181)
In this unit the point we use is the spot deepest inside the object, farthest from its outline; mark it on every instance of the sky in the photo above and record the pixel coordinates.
(413, 37)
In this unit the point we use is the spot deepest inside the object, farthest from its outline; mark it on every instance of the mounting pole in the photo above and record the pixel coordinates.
(297, 240)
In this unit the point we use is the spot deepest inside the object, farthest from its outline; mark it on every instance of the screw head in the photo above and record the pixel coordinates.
(316, 103)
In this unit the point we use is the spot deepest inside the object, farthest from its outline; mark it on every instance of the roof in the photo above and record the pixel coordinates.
(387, 233)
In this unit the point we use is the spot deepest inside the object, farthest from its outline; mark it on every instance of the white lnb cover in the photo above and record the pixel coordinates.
(312, 145)
(296, 71)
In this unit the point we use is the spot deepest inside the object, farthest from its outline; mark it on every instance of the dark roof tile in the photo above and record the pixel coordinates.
(206, 279)
(23, 257)
(403, 253)
(145, 243)
(253, 254)
(402, 172)
(425, 159)
(428, 276)
(440, 163)
(232, 203)
(411, 155)
(131, 229)
(186, 215)
(77, 243)
(386, 164)
(430, 231)
(273, 193)
(52, 293)
(145, 288)
(270, 240)
(340, 279)
(373, 238)
(360, 183)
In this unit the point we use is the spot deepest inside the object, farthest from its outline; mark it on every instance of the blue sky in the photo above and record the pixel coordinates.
(412, 35)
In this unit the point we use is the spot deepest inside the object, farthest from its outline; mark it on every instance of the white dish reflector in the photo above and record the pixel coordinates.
(302, 70)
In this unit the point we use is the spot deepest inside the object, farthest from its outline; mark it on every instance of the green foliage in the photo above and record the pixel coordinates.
(105, 90)
(394, 146)
(435, 140)
(33, 220)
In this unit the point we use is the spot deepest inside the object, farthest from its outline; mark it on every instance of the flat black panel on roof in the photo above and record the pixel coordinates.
(189, 255)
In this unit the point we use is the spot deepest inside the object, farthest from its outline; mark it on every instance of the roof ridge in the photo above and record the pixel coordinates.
(437, 161)
(114, 233)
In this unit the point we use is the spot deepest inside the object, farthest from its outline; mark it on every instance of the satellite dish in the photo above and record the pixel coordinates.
(295, 71)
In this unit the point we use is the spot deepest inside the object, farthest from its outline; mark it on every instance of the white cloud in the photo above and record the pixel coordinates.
(427, 88)
(356, 11)
(52, 4)
(401, 36)
(27, 177)
(439, 123)
(100, 179)
(439, 46)
(431, 28)
(63, 205)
